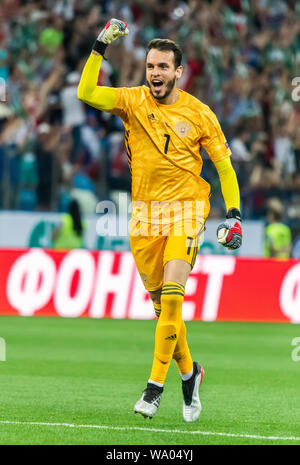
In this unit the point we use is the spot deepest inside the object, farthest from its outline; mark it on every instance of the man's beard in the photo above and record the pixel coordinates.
(169, 88)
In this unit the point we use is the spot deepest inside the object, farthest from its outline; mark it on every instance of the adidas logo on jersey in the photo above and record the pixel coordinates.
(152, 117)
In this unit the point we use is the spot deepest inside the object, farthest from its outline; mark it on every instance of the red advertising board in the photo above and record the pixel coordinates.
(106, 284)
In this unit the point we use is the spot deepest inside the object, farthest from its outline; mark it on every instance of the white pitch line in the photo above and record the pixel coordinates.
(153, 430)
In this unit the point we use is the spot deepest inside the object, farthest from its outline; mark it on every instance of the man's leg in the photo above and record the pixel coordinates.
(177, 272)
(148, 254)
(170, 324)
(180, 270)
(155, 297)
(181, 353)
(168, 303)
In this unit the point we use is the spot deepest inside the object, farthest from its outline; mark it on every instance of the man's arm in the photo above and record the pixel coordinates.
(229, 233)
(102, 98)
(213, 140)
(229, 184)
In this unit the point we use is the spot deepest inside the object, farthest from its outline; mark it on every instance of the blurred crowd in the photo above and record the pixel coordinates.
(240, 58)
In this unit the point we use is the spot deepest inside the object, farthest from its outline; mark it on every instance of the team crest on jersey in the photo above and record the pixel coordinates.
(183, 128)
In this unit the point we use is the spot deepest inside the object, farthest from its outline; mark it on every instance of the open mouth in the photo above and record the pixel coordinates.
(157, 84)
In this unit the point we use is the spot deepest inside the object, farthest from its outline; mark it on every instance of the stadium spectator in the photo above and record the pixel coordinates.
(241, 57)
(284, 154)
(70, 234)
(238, 145)
(45, 151)
(278, 238)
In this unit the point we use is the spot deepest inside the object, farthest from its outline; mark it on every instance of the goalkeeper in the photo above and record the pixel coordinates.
(165, 130)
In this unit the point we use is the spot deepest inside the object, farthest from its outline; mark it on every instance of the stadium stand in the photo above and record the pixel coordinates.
(240, 57)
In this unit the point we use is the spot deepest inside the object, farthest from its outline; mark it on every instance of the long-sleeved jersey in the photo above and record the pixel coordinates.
(164, 143)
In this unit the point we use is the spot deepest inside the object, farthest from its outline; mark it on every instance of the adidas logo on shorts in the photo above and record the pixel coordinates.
(171, 338)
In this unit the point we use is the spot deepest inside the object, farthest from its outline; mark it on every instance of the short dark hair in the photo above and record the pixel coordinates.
(166, 45)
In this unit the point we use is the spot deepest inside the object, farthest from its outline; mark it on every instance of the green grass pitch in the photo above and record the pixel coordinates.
(91, 372)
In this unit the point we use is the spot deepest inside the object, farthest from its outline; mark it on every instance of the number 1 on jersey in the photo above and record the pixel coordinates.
(167, 142)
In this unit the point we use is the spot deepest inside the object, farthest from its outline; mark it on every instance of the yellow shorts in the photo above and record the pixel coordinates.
(154, 245)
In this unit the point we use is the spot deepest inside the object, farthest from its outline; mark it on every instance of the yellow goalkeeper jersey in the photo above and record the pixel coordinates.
(164, 145)
(164, 142)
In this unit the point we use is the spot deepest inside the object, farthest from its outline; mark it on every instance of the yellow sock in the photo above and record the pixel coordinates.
(167, 329)
(182, 354)
(157, 309)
